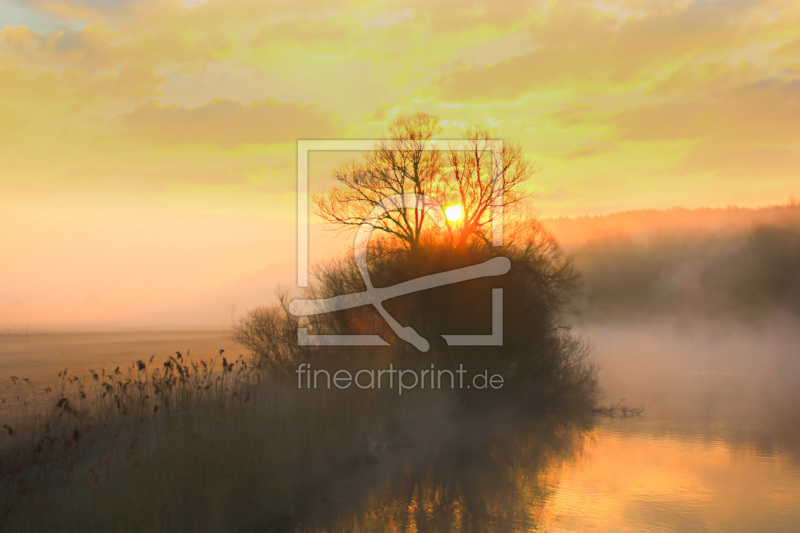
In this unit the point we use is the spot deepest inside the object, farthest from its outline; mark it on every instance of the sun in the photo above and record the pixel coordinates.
(453, 213)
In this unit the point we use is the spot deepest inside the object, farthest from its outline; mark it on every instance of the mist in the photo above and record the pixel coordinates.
(704, 372)
(716, 264)
(695, 321)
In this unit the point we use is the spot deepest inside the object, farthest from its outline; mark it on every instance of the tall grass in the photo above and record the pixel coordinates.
(182, 446)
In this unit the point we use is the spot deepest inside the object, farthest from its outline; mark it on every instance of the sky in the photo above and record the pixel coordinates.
(148, 147)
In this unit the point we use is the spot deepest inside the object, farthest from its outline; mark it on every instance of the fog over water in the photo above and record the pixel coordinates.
(704, 372)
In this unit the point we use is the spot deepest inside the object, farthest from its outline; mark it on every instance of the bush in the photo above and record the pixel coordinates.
(539, 360)
(270, 333)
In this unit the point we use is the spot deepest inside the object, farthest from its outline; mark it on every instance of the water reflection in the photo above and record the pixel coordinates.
(718, 449)
(626, 475)
(501, 486)
(639, 476)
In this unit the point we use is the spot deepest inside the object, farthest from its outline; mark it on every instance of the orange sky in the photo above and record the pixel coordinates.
(147, 147)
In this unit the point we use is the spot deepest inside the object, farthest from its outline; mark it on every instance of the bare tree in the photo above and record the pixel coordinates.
(397, 166)
(478, 180)
(405, 164)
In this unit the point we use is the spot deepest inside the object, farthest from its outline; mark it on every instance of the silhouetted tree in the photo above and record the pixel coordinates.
(406, 163)
(542, 365)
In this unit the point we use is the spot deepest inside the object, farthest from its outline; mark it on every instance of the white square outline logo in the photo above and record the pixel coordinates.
(493, 267)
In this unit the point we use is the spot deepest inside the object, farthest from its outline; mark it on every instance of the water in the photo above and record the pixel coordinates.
(653, 476)
(624, 475)
(717, 449)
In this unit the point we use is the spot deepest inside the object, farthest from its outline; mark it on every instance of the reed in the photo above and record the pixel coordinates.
(180, 444)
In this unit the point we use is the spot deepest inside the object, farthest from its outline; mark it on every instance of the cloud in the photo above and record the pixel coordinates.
(762, 167)
(590, 149)
(765, 109)
(227, 123)
(790, 48)
(575, 115)
(586, 45)
(570, 44)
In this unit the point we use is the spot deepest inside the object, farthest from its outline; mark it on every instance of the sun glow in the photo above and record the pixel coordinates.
(453, 213)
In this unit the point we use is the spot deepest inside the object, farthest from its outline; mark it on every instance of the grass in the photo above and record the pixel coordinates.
(186, 445)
